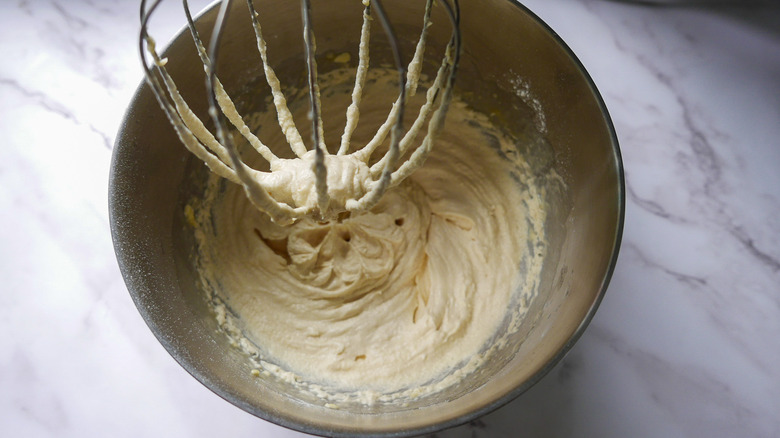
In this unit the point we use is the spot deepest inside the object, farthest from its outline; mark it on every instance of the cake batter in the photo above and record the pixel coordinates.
(386, 303)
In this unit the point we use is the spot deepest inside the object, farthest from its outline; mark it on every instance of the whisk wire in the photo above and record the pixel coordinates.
(185, 134)
(353, 111)
(285, 118)
(320, 171)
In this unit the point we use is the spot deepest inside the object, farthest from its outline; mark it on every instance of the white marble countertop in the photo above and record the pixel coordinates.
(685, 344)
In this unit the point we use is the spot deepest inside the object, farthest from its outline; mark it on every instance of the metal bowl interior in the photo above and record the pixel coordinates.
(505, 45)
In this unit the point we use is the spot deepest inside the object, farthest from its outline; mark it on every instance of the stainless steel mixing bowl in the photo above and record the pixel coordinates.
(505, 46)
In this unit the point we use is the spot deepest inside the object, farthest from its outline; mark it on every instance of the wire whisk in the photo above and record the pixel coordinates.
(316, 182)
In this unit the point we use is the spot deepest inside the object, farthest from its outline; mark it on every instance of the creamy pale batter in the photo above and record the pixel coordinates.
(388, 302)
